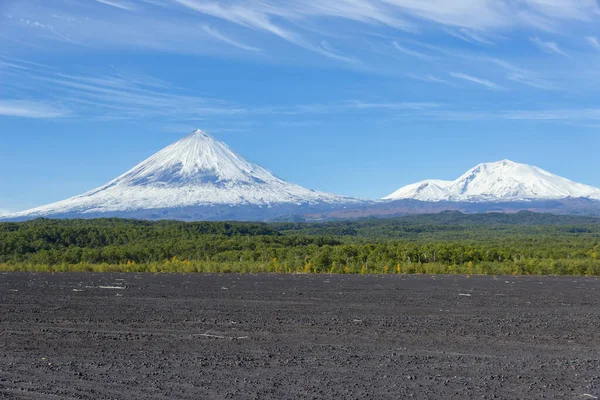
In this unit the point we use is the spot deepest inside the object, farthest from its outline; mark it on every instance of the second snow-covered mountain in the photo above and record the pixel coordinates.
(497, 182)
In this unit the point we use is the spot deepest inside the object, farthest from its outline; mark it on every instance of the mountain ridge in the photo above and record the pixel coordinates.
(201, 178)
(503, 180)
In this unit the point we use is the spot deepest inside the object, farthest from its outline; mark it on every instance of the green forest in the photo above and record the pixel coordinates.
(445, 243)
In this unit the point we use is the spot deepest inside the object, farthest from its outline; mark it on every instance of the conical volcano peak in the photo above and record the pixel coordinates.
(197, 136)
(197, 174)
(198, 158)
(200, 134)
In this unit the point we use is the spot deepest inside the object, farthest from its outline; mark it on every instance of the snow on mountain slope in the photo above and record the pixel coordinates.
(427, 190)
(195, 171)
(498, 181)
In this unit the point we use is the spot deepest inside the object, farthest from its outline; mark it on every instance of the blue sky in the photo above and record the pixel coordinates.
(356, 97)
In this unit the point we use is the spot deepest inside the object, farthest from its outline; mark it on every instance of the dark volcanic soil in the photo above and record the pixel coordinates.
(124, 336)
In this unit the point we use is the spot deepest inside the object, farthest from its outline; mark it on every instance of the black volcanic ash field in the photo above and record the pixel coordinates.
(125, 336)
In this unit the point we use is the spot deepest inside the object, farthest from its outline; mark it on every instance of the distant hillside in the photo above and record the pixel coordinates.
(444, 224)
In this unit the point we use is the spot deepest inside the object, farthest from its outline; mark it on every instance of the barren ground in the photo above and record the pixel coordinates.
(126, 336)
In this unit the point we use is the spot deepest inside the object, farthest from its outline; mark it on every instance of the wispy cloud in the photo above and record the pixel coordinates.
(118, 94)
(483, 82)
(29, 109)
(176, 24)
(524, 76)
(217, 35)
(470, 36)
(344, 107)
(583, 114)
(549, 47)
(114, 94)
(46, 27)
(108, 28)
(393, 106)
(575, 115)
(430, 78)
(258, 16)
(582, 10)
(118, 4)
(529, 80)
(387, 38)
(411, 53)
(593, 41)
(130, 95)
(250, 16)
(327, 50)
(4, 211)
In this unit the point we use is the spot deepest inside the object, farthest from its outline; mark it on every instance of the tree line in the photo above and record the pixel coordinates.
(442, 243)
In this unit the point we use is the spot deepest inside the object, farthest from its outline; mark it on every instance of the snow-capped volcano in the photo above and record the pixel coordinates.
(197, 171)
(498, 181)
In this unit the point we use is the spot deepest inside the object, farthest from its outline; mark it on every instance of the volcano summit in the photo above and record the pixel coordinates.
(197, 177)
